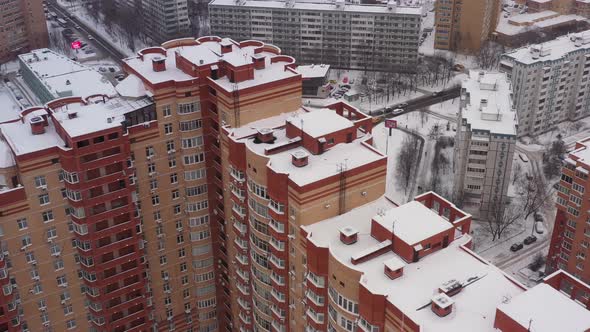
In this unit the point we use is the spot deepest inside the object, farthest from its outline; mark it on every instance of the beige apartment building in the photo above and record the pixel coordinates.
(463, 26)
(485, 141)
(23, 28)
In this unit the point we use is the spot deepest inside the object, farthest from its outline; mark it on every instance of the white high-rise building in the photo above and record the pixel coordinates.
(166, 19)
(550, 82)
(383, 37)
(485, 141)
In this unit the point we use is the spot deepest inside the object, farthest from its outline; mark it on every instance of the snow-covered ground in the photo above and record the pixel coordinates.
(114, 34)
(381, 135)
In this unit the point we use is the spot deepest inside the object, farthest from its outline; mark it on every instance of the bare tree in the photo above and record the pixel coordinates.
(516, 173)
(407, 160)
(534, 194)
(489, 55)
(500, 217)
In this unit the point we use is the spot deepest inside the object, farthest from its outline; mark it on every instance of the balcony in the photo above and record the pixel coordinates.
(245, 305)
(278, 327)
(316, 280)
(243, 288)
(243, 259)
(241, 244)
(277, 295)
(244, 318)
(280, 313)
(316, 317)
(243, 274)
(241, 227)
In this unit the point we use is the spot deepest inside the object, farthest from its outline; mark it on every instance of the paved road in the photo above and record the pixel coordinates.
(85, 30)
(418, 103)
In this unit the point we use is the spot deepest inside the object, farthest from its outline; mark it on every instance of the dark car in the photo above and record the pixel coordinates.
(402, 105)
(530, 239)
(516, 247)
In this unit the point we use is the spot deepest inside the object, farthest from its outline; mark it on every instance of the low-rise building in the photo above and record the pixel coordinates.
(315, 80)
(484, 142)
(51, 75)
(550, 82)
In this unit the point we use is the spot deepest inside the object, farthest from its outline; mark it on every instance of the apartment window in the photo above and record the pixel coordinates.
(149, 151)
(163, 260)
(64, 296)
(68, 309)
(186, 293)
(22, 223)
(62, 281)
(192, 142)
(157, 215)
(184, 279)
(51, 232)
(176, 209)
(155, 200)
(194, 174)
(71, 324)
(175, 194)
(576, 200)
(26, 241)
(173, 178)
(190, 125)
(171, 162)
(168, 128)
(170, 146)
(179, 239)
(197, 221)
(181, 253)
(153, 184)
(197, 190)
(194, 158)
(47, 216)
(167, 300)
(30, 257)
(187, 108)
(40, 181)
(58, 264)
(43, 199)
(151, 168)
(166, 111)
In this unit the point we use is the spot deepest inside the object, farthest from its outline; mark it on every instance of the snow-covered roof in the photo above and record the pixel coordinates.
(490, 104)
(209, 53)
(412, 222)
(96, 116)
(330, 162)
(21, 140)
(475, 304)
(132, 87)
(552, 50)
(546, 310)
(321, 6)
(518, 24)
(313, 71)
(64, 77)
(320, 122)
(9, 109)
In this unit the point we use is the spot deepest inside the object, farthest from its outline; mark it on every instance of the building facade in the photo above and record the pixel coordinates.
(484, 142)
(165, 19)
(23, 28)
(549, 82)
(368, 37)
(463, 26)
(569, 243)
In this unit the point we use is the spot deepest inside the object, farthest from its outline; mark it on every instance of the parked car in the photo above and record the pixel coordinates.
(538, 217)
(402, 105)
(516, 247)
(398, 111)
(539, 227)
(90, 37)
(530, 239)
(523, 158)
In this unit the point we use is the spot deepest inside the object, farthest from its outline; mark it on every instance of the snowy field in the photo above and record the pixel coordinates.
(10, 108)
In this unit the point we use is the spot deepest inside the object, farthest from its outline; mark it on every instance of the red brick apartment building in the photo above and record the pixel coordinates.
(206, 198)
(570, 239)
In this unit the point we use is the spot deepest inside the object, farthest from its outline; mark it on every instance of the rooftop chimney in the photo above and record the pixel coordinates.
(226, 46)
(72, 114)
(450, 287)
(159, 63)
(348, 235)
(37, 125)
(300, 158)
(391, 5)
(265, 135)
(442, 305)
(258, 60)
(394, 268)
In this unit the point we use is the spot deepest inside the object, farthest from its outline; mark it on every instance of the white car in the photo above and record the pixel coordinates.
(398, 111)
